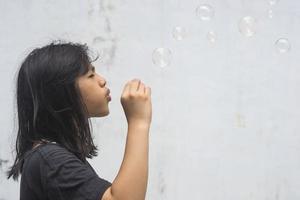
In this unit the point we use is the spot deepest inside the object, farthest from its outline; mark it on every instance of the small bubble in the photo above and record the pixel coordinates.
(211, 36)
(270, 14)
(273, 2)
(161, 57)
(240, 120)
(247, 26)
(205, 12)
(283, 45)
(179, 33)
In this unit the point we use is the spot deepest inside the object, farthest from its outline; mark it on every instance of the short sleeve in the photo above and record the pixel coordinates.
(67, 177)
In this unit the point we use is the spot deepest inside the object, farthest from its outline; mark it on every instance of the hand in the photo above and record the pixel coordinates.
(136, 102)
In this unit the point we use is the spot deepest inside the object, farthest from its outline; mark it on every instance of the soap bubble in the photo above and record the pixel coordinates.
(161, 57)
(283, 45)
(273, 2)
(179, 33)
(247, 26)
(270, 14)
(211, 36)
(205, 12)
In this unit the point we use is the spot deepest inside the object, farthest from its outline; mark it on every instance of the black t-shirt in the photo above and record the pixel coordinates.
(51, 172)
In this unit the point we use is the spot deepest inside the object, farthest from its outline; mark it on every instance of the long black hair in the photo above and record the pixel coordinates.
(50, 106)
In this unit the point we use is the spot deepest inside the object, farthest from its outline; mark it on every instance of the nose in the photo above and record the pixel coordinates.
(102, 81)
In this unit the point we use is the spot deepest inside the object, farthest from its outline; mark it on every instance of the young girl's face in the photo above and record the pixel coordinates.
(94, 93)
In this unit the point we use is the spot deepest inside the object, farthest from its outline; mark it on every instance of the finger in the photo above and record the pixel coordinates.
(126, 88)
(139, 85)
(142, 88)
(134, 85)
(148, 91)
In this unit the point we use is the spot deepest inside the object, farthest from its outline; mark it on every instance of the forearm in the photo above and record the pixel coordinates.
(131, 181)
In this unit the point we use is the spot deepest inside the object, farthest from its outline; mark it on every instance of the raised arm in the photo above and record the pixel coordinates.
(131, 180)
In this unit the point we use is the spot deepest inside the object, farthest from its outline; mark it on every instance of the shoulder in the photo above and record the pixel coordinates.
(56, 162)
(42, 159)
(50, 154)
(53, 150)
(49, 149)
(55, 155)
(65, 175)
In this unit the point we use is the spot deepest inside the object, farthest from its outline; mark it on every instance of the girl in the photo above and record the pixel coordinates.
(58, 91)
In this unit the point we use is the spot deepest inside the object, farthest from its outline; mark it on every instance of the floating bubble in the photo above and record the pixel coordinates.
(179, 33)
(240, 120)
(247, 26)
(283, 45)
(273, 2)
(205, 12)
(270, 14)
(161, 57)
(211, 36)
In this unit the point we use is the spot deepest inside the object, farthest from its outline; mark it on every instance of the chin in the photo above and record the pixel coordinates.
(103, 114)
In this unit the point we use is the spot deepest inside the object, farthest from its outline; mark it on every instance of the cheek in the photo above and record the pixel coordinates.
(95, 95)
(87, 95)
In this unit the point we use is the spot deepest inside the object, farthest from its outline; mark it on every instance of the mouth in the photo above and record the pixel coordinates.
(107, 95)
(108, 92)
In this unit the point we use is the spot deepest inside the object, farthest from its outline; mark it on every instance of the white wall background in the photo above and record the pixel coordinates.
(225, 114)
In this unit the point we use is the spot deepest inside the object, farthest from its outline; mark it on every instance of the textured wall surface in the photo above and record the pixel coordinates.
(225, 113)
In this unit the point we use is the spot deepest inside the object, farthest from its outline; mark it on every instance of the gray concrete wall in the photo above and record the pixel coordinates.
(225, 113)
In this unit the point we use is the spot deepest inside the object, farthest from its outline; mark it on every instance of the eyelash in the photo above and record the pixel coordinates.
(91, 75)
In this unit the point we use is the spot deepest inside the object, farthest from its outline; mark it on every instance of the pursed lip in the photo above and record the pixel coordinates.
(108, 92)
(107, 95)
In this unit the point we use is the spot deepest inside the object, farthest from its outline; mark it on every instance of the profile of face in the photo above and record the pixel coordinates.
(94, 93)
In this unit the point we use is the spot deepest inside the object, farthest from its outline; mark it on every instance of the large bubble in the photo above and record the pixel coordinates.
(205, 12)
(282, 45)
(247, 26)
(161, 57)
